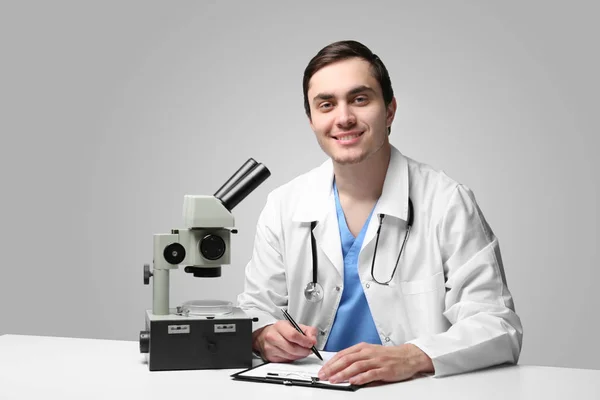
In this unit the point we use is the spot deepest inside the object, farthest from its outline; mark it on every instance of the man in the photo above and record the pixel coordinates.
(408, 274)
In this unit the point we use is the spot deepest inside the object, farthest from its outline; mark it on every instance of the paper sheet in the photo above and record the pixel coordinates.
(304, 369)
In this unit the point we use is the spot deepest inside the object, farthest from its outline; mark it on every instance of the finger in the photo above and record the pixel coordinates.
(341, 361)
(277, 346)
(292, 335)
(292, 352)
(354, 369)
(363, 378)
(271, 347)
(287, 344)
(310, 331)
(278, 359)
(283, 351)
(344, 353)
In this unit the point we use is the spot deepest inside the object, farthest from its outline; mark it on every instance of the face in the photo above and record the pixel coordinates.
(348, 113)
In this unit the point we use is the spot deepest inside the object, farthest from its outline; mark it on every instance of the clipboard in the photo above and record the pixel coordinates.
(298, 373)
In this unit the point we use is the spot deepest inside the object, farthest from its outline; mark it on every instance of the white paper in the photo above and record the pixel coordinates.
(305, 369)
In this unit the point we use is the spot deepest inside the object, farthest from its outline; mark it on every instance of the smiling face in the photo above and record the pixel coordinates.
(348, 113)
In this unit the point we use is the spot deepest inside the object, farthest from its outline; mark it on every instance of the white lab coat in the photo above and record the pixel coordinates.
(449, 295)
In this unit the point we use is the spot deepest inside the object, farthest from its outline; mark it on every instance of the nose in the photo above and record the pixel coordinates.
(345, 118)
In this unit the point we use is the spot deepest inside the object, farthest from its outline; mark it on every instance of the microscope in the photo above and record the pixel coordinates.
(199, 334)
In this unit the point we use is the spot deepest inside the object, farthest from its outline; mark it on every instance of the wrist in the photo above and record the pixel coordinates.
(421, 362)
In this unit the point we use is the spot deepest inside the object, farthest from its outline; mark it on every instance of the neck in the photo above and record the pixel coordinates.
(363, 181)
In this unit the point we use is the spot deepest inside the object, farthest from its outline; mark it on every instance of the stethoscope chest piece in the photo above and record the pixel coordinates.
(313, 292)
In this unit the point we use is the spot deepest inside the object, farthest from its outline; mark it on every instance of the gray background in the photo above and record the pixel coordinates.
(112, 111)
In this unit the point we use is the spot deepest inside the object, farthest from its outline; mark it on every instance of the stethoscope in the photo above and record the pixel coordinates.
(314, 291)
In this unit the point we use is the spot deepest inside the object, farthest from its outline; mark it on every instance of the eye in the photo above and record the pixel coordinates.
(361, 100)
(325, 106)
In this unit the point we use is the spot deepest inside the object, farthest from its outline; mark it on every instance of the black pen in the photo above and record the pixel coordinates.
(295, 325)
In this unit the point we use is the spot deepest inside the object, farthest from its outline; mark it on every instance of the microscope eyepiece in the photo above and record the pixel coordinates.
(235, 178)
(247, 178)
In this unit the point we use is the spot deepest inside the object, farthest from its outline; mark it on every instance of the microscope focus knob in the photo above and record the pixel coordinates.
(147, 274)
(144, 342)
(174, 253)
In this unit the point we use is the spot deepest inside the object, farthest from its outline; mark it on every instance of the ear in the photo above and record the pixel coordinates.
(390, 112)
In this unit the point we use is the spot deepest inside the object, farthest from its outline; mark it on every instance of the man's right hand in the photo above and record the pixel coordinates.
(281, 342)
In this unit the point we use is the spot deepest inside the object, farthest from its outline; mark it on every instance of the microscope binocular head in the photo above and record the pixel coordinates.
(208, 220)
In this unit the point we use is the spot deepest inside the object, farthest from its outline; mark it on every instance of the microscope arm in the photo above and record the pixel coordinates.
(168, 254)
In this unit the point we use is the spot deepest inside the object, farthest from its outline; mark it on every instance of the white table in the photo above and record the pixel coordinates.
(34, 367)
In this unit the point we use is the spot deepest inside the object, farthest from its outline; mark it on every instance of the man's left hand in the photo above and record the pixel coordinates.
(364, 363)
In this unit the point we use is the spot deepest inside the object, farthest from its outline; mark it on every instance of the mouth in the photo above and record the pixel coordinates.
(347, 136)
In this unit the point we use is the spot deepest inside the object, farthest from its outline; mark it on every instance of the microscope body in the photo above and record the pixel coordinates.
(200, 334)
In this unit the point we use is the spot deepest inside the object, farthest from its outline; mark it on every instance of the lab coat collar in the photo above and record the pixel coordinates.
(394, 197)
(317, 199)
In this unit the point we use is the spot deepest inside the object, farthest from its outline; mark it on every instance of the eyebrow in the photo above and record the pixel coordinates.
(352, 92)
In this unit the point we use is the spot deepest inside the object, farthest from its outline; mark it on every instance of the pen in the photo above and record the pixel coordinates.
(295, 325)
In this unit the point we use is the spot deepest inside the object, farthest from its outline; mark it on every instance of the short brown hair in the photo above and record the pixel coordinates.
(343, 50)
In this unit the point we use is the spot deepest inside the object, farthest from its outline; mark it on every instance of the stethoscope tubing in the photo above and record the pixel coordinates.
(315, 265)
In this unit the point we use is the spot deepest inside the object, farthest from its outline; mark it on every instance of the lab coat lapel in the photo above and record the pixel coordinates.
(327, 236)
(393, 201)
(318, 204)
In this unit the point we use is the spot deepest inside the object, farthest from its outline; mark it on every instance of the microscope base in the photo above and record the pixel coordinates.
(176, 342)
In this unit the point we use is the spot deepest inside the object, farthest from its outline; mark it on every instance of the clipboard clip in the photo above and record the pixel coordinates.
(290, 382)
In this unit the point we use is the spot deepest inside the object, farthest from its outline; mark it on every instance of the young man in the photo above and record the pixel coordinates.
(378, 257)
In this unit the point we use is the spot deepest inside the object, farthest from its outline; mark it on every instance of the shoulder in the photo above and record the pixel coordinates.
(423, 176)
(434, 188)
(301, 184)
(301, 190)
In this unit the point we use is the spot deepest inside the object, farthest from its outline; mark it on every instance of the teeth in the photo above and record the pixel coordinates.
(348, 137)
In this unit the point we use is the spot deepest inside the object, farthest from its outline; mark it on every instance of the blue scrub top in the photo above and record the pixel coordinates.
(353, 321)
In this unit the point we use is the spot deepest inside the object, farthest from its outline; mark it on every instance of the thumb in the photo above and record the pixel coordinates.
(310, 331)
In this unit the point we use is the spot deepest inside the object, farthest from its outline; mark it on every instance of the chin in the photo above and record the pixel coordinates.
(349, 159)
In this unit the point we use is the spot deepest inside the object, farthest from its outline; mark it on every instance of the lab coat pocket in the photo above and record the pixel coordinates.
(424, 303)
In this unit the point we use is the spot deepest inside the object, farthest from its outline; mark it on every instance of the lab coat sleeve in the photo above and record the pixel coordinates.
(485, 330)
(265, 286)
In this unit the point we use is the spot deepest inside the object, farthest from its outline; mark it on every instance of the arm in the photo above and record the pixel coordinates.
(485, 329)
(266, 291)
(265, 288)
